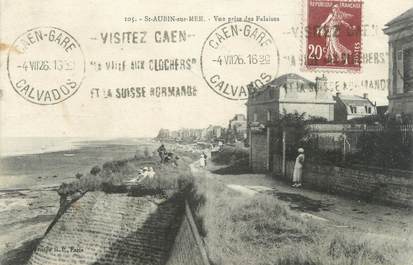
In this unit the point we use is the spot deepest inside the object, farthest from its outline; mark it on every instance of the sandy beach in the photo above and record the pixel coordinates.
(28, 184)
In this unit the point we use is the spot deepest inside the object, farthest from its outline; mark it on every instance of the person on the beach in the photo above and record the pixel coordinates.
(151, 173)
(162, 152)
(220, 146)
(174, 160)
(298, 168)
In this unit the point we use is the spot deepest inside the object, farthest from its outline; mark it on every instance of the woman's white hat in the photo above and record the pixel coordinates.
(300, 150)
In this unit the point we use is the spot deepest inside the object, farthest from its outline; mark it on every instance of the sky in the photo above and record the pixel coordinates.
(83, 116)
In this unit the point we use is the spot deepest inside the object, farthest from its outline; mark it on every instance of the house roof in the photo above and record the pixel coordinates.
(402, 23)
(405, 16)
(238, 117)
(354, 100)
(291, 76)
(292, 88)
(282, 80)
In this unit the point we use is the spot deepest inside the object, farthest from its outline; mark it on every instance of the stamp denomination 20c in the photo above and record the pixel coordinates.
(334, 34)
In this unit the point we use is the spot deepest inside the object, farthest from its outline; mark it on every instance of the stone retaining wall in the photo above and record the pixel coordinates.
(103, 228)
(188, 248)
(372, 184)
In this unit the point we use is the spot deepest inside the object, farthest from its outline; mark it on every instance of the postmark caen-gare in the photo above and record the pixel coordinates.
(46, 65)
(238, 57)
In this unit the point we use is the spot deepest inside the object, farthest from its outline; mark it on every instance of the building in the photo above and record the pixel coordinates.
(238, 126)
(382, 110)
(351, 107)
(163, 134)
(213, 132)
(289, 93)
(174, 135)
(400, 63)
(217, 132)
(196, 134)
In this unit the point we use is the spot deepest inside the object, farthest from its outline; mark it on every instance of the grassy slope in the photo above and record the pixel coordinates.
(259, 230)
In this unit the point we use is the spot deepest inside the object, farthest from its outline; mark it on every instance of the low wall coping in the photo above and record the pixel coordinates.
(195, 232)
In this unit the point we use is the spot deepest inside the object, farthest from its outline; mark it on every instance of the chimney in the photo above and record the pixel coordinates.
(338, 94)
(321, 83)
(365, 95)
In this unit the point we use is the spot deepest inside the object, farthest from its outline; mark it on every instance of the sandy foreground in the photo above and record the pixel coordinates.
(25, 216)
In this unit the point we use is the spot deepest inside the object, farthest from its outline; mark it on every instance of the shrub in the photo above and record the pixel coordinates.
(230, 155)
(114, 166)
(95, 170)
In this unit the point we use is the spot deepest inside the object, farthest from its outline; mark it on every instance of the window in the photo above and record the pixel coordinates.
(400, 55)
(271, 92)
(268, 115)
(408, 70)
(255, 117)
(353, 109)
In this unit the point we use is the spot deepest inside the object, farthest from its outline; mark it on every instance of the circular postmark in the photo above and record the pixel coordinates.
(238, 58)
(46, 65)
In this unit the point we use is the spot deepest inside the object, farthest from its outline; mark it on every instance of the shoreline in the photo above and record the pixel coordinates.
(55, 167)
(28, 184)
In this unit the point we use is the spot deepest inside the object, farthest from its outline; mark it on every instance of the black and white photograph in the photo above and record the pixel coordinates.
(213, 132)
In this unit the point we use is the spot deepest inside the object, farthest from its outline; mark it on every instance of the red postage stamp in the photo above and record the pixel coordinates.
(334, 34)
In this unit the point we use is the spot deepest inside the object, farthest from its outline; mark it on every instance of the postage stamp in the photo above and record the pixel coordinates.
(46, 65)
(237, 58)
(333, 38)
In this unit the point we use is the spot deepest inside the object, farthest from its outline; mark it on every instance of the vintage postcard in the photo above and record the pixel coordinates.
(206, 132)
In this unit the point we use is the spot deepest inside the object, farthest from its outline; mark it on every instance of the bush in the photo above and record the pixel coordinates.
(229, 155)
(113, 174)
(114, 166)
(95, 170)
(388, 147)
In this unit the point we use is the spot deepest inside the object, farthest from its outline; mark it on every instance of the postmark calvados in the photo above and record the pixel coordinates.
(46, 66)
(237, 58)
(334, 34)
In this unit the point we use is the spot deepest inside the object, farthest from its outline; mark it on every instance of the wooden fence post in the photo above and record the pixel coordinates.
(344, 147)
(268, 149)
(283, 161)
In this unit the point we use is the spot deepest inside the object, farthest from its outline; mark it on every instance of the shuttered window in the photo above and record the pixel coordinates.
(408, 69)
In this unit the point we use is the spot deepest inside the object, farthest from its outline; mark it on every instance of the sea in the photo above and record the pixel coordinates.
(16, 146)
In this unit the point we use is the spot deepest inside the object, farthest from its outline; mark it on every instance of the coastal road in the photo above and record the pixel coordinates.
(336, 212)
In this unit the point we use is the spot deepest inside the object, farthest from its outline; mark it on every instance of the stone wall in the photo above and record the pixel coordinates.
(372, 184)
(102, 228)
(188, 248)
(259, 152)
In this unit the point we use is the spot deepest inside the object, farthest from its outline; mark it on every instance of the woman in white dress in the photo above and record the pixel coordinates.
(298, 168)
(202, 161)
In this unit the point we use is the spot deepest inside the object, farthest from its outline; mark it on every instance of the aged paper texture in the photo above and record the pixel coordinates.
(206, 132)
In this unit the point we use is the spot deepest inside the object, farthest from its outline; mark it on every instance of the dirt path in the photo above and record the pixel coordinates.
(334, 211)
